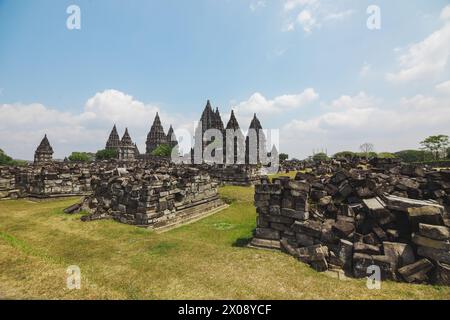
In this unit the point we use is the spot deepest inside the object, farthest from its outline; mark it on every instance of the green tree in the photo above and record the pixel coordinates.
(163, 150)
(414, 155)
(386, 155)
(345, 154)
(321, 156)
(283, 157)
(106, 154)
(437, 145)
(80, 157)
(5, 159)
(367, 149)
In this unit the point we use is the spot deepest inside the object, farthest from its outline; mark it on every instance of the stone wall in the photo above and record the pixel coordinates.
(8, 186)
(155, 198)
(350, 220)
(68, 179)
(238, 175)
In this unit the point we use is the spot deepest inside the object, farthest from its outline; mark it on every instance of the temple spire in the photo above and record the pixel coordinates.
(126, 139)
(156, 136)
(233, 123)
(44, 152)
(113, 140)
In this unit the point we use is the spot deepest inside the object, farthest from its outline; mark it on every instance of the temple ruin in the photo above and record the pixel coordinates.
(44, 152)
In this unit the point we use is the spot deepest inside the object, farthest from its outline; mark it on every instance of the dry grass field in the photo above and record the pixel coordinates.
(203, 260)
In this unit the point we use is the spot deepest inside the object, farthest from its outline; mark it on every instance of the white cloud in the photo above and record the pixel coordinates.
(365, 70)
(259, 104)
(360, 101)
(292, 4)
(23, 126)
(310, 14)
(445, 13)
(339, 15)
(444, 87)
(349, 121)
(255, 5)
(306, 20)
(425, 59)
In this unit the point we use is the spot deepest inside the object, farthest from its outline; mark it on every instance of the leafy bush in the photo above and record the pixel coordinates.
(106, 154)
(6, 160)
(80, 157)
(345, 154)
(283, 156)
(386, 155)
(414, 155)
(163, 150)
(320, 157)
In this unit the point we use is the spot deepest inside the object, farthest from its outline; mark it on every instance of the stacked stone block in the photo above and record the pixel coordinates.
(154, 199)
(394, 218)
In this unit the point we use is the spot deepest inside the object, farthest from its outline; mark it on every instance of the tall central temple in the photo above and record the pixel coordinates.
(239, 150)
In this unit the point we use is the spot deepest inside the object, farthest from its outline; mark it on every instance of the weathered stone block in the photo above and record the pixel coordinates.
(401, 254)
(266, 233)
(431, 243)
(369, 249)
(434, 232)
(343, 229)
(309, 227)
(416, 272)
(434, 254)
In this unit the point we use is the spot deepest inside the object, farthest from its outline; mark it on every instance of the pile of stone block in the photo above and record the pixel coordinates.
(8, 186)
(393, 217)
(153, 198)
(54, 181)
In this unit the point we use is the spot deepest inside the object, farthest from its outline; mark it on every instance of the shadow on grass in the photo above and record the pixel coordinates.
(242, 242)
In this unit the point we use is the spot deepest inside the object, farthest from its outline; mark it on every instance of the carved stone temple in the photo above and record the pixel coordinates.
(44, 152)
(240, 148)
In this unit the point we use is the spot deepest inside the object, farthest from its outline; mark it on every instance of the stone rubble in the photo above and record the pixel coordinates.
(347, 217)
(152, 198)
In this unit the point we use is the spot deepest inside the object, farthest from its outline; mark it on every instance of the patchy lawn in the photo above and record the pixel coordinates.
(203, 260)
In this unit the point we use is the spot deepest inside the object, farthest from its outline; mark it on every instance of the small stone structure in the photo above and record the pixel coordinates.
(153, 198)
(157, 137)
(393, 217)
(127, 149)
(44, 152)
(237, 175)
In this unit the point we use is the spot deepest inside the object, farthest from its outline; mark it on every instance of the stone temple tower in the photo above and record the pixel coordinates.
(113, 140)
(209, 119)
(237, 150)
(44, 152)
(255, 129)
(171, 138)
(127, 149)
(156, 136)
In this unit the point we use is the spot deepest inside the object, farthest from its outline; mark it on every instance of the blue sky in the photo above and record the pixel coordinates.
(310, 68)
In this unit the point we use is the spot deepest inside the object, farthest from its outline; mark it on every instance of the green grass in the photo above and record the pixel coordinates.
(205, 259)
